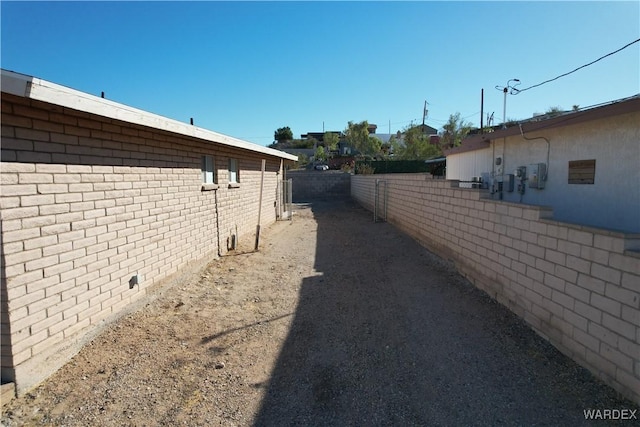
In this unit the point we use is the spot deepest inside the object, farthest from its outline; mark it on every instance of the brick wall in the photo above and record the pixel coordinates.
(578, 287)
(86, 203)
(313, 185)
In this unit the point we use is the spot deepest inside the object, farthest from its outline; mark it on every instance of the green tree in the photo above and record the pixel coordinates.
(374, 146)
(357, 135)
(283, 134)
(331, 140)
(454, 131)
(320, 155)
(417, 146)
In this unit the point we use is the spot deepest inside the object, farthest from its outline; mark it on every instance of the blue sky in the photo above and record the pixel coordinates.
(247, 68)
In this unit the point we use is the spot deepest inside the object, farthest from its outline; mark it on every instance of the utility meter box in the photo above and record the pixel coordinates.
(520, 172)
(536, 175)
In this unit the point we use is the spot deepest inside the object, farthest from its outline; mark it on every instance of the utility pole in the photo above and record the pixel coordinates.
(425, 112)
(481, 109)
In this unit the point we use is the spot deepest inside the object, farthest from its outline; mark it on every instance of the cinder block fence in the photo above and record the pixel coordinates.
(100, 202)
(578, 287)
(314, 185)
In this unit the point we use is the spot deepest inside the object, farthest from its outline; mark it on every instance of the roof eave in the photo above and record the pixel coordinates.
(42, 90)
(623, 106)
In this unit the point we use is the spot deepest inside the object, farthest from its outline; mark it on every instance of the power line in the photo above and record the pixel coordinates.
(573, 71)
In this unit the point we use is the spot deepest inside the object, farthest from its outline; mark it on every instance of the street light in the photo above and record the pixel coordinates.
(512, 90)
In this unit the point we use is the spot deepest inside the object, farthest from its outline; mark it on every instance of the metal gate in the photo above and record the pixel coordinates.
(285, 198)
(380, 202)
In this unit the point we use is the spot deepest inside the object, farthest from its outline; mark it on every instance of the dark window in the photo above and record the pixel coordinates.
(208, 170)
(234, 173)
(582, 171)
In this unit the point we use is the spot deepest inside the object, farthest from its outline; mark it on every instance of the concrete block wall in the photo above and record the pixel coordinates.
(86, 203)
(313, 185)
(578, 287)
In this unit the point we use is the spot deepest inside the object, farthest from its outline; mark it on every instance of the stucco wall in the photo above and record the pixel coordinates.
(612, 202)
(578, 287)
(88, 202)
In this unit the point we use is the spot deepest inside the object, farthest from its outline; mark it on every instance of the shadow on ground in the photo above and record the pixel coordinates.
(389, 334)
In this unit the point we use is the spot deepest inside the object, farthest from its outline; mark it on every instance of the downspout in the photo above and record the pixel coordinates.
(215, 192)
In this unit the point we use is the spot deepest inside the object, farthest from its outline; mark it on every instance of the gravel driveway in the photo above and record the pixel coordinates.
(336, 321)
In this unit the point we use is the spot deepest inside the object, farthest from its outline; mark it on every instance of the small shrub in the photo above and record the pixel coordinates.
(364, 169)
(347, 167)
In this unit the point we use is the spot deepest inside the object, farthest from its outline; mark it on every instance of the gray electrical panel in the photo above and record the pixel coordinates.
(508, 183)
(502, 183)
(536, 175)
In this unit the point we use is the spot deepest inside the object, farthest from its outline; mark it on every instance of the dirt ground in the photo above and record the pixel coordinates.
(336, 321)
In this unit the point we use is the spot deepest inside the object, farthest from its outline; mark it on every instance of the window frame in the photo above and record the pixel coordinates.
(234, 172)
(208, 172)
(582, 172)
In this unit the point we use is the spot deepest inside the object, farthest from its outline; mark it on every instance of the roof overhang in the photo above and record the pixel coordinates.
(436, 160)
(467, 145)
(622, 106)
(42, 90)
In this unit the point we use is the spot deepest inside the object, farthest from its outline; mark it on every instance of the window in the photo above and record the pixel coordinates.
(582, 171)
(234, 173)
(208, 173)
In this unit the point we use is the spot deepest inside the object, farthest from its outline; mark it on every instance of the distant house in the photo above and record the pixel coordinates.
(99, 203)
(319, 136)
(584, 164)
(427, 130)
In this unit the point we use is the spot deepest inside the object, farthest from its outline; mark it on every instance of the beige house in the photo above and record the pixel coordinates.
(99, 202)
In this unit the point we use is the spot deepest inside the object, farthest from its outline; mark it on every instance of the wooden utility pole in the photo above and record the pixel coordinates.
(425, 113)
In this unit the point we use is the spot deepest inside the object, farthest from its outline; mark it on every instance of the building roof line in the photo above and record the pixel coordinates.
(607, 109)
(41, 90)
